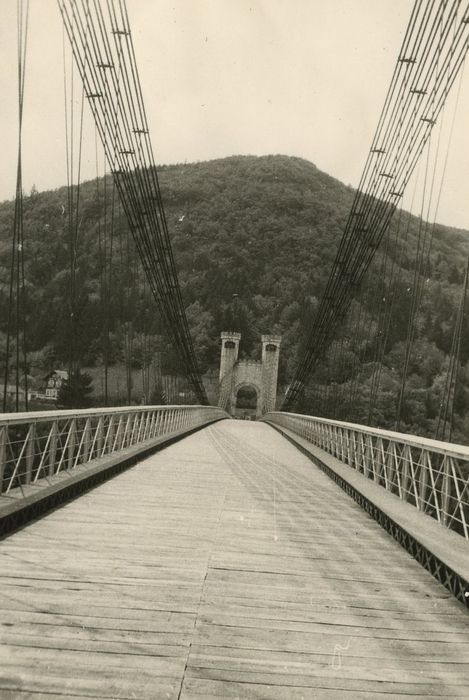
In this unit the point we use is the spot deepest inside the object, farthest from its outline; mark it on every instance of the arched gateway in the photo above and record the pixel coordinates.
(248, 387)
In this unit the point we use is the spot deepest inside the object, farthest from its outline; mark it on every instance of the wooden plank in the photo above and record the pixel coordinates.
(317, 660)
(382, 630)
(151, 620)
(328, 680)
(195, 689)
(65, 681)
(332, 614)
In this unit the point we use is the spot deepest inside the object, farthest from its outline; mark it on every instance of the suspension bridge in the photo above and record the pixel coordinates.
(170, 551)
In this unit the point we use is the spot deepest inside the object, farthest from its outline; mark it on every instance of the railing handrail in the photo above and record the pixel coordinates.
(38, 416)
(446, 448)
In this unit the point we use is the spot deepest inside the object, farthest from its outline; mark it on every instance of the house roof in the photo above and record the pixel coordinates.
(61, 373)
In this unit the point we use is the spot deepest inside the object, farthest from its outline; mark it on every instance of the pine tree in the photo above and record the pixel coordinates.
(158, 397)
(74, 392)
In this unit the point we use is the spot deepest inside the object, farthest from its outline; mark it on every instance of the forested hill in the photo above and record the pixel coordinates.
(263, 228)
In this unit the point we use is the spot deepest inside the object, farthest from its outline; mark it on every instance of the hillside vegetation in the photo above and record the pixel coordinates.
(253, 239)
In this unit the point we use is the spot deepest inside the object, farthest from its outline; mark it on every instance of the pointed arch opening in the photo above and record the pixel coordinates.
(247, 398)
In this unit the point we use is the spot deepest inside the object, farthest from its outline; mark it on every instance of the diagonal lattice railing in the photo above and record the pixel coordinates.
(37, 446)
(433, 476)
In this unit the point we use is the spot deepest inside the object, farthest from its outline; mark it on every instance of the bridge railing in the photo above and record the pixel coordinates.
(39, 445)
(433, 476)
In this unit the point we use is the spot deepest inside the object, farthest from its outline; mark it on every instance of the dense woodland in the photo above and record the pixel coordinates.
(253, 239)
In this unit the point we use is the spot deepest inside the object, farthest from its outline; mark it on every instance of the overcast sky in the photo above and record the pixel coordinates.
(222, 77)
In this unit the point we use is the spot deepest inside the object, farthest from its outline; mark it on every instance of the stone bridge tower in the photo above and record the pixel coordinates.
(255, 376)
(270, 356)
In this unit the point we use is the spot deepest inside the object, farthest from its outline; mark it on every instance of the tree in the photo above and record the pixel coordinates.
(74, 392)
(203, 335)
(158, 397)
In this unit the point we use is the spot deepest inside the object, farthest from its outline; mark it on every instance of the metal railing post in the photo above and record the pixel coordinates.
(29, 456)
(445, 491)
(3, 453)
(86, 441)
(110, 435)
(71, 443)
(54, 434)
(423, 482)
(99, 437)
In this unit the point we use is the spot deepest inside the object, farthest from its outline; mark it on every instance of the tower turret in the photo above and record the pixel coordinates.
(229, 351)
(270, 357)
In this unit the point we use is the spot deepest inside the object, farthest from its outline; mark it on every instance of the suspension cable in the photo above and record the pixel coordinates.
(432, 54)
(17, 290)
(113, 88)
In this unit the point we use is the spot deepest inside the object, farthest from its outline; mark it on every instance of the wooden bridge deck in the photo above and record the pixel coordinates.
(225, 566)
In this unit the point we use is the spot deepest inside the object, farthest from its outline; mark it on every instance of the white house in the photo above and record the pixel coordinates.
(54, 381)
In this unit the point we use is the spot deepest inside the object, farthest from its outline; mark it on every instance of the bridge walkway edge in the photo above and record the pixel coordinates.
(32, 501)
(442, 552)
